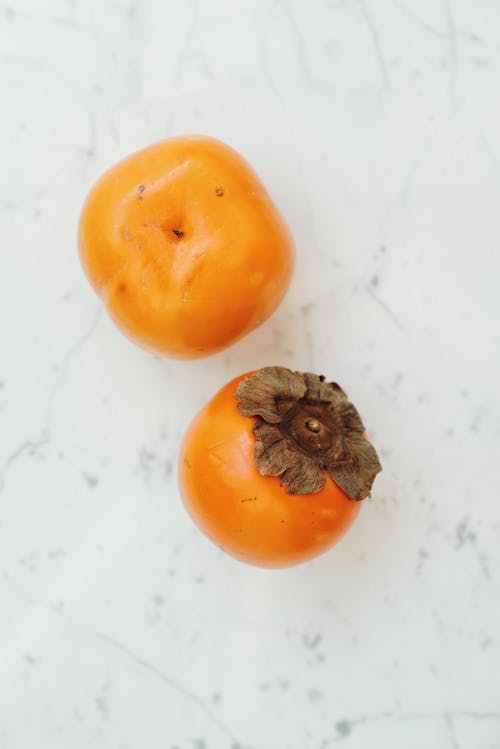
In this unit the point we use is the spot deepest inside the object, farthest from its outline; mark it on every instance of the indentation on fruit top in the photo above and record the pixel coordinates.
(178, 233)
(219, 192)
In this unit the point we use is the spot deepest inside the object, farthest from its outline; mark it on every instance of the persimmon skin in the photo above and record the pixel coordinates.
(251, 516)
(185, 247)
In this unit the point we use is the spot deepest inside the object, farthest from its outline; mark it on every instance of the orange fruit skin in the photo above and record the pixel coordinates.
(251, 516)
(185, 247)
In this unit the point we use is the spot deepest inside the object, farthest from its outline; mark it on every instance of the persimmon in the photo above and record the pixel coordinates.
(185, 246)
(274, 466)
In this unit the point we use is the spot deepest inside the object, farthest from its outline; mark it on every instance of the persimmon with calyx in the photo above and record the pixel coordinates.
(185, 246)
(274, 466)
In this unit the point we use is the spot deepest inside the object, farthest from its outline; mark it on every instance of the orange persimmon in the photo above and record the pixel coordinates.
(264, 431)
(185, 246)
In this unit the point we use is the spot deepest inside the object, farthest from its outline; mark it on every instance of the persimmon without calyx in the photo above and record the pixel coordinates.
(265, 431)
(185, 246)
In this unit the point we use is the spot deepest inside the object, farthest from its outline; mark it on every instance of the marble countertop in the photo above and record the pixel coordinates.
(375, 126)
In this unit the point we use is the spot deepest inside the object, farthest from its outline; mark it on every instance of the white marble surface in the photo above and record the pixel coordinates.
(376, 127)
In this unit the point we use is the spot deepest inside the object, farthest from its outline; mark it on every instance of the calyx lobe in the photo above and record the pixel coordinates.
(306, 427)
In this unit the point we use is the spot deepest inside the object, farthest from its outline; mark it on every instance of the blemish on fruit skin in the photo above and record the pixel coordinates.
(178, 233)
(219, 192)
(256, 278)
(122, 288)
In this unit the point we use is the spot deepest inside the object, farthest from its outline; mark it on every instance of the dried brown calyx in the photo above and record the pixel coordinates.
(306, 427)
